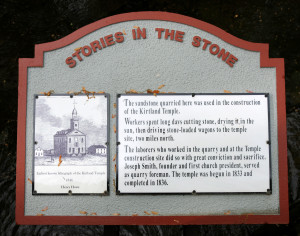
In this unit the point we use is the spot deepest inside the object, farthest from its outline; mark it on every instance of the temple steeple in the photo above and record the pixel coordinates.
(74, 122)
(74, 113)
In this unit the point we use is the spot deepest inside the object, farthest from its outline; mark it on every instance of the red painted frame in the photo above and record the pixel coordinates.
(265, 61)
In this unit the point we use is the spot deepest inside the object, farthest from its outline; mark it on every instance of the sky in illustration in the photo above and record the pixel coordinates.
(53, 113)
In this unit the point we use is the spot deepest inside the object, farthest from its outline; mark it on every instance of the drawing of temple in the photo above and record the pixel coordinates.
(70, 142)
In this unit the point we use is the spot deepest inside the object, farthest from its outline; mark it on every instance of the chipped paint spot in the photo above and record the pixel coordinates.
(59, 161)
(29, 180)
(131, 91)
(88, 93)
(45, 209)
(114, 183)
(48, 93)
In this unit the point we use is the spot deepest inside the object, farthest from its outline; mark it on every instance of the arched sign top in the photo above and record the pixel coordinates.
(161, 16)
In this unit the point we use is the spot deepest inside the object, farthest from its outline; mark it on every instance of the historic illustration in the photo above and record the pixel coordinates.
(70, 131)
(70, 142)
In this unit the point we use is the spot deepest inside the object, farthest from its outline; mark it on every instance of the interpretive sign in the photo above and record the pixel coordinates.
(197, 120)
(70, 153)
(193, 143)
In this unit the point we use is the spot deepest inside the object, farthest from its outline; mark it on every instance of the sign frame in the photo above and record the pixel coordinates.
(265, 61)
(268, 192)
